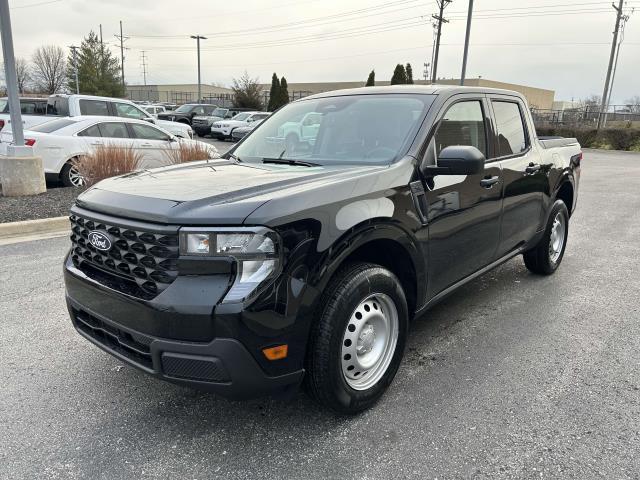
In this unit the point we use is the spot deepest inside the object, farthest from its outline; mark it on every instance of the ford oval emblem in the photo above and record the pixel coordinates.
(101, 241)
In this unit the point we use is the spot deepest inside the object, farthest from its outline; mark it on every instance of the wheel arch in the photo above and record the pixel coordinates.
(565, 191)
(384, 244)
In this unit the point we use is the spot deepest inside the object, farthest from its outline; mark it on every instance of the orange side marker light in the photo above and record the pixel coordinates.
(276, 353)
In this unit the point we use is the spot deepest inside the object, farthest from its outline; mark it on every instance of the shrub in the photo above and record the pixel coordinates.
(608, 138)
(188, 152)
(107, 161)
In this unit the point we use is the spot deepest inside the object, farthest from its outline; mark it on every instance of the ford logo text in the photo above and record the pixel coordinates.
(100, 241)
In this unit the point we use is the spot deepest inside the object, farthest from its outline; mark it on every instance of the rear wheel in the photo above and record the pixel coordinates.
(546, 256)
(70, 176)
(358, 338)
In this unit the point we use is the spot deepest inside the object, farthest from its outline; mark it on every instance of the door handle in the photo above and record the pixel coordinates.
(532, 168)
(489, 182)
(146, 145)
(97, 143)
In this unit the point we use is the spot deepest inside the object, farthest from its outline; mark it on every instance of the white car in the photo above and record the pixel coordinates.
(61, 141)
(224, 128)
(63, 105)
(154, 110)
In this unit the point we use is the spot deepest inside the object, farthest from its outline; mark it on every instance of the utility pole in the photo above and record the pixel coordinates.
(20, 172)
(122, 39)
(466, 43)
(74, 49)
(197, 38)
(604, 104)
(623, 20)
(442, 4)
(144, 67)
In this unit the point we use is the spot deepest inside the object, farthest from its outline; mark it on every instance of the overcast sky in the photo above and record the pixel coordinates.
(562, 45)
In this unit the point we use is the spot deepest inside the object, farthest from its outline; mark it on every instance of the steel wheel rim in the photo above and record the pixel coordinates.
(369, 341)
(556, 240)
(75, 178)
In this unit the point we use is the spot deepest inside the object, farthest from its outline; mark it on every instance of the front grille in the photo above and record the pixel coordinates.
(135, 347)
(141, 263)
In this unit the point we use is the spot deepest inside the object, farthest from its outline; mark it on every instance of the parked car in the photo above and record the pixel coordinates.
(59, 142)
(154, 110)
(223, 130)
(275, 267)
(300, 130)
(185, 113)
(28, 106)
(201, 124)
(241, 132)
(62, 105)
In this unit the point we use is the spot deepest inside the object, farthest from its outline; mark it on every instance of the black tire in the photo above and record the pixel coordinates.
(65, 175)
(325, 381)
(539, 259)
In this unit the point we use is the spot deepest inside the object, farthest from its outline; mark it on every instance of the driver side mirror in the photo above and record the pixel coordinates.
(150, 119)
(457, 160)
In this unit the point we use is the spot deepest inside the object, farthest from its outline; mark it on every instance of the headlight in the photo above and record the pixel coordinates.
(216, 125)
(256, 250)
(225, 125)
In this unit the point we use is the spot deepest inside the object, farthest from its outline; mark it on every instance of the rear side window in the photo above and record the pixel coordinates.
(94, 107)
(58, 106)
(32, 107)
(512, 138)
(113, 130)
(147, 132)
(462, 124)
(92, 131)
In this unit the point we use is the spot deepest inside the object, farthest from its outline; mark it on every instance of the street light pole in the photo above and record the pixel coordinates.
(197, 39)
(466, 43)
(10, 74)
(20, 172)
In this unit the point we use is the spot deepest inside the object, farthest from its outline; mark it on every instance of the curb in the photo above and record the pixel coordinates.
(34, 227)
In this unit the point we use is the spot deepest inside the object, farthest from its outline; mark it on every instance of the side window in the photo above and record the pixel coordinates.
(93, 107)
(462, 124)
(92, 131)
(113, 130)
(27, 108)
(209, 110)
(41, 108)
(147, 132)
(511, 133)
(129, 111)
(198, 110)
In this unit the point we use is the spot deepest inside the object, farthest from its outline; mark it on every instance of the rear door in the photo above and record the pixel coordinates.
(463, 210)
(524, 178)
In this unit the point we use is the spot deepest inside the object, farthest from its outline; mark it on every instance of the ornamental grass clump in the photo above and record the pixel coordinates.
(107, 161)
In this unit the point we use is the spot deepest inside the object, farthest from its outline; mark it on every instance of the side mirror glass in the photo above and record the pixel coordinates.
(458, 160)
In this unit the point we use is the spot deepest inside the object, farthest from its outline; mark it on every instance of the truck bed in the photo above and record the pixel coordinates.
(552, 142)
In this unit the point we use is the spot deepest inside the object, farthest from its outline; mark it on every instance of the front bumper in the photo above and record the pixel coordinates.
(220, 132)
(159, 339)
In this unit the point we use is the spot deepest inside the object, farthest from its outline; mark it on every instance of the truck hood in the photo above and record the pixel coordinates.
(209, 192)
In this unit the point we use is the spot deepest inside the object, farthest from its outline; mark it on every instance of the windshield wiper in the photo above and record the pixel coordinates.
(289, 161)
(233, 157)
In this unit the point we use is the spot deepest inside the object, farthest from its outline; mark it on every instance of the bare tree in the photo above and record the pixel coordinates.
(23, 72)
(49, 68)
(593, 102)
(633, 104)
(247, 92)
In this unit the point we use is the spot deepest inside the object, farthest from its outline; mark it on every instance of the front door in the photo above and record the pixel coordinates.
(463, 210)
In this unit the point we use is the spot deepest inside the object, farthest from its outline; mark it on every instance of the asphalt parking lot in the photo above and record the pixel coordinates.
(221, 145)
(514, 376)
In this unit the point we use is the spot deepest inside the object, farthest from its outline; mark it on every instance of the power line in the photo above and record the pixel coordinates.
(326, 19)
(36, 4)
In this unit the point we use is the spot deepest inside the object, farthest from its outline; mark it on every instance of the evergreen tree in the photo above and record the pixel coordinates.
(98, 69)
(284, 92)
(399, 75)
(371, 81)
(409, 73)
(274, 93)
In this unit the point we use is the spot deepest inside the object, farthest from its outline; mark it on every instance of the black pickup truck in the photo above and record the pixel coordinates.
(302, 263)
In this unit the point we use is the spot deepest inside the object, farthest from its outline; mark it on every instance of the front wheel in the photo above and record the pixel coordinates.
(546, 256)
(358, 338)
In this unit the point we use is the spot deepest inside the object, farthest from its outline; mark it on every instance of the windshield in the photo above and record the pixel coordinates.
(219, 112)
(368, 129)
(184, 108)
(52, 126)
